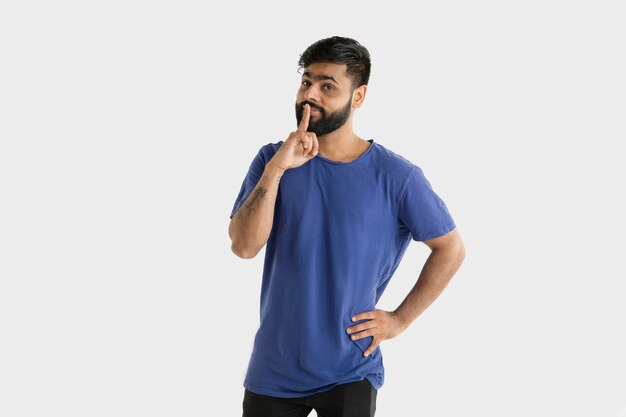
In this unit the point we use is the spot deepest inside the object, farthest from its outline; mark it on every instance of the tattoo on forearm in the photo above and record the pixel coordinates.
(256, 195)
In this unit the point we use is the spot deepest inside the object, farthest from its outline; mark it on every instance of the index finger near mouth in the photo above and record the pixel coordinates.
(304, 123)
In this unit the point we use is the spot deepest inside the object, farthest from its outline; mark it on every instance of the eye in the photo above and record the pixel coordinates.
(329, 87)
(305, 83)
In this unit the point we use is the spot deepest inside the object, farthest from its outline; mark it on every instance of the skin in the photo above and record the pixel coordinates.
(447, 254)
(251, 226)
(331, 95)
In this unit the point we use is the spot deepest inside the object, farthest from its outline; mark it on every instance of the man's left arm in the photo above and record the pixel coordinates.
(448, 252)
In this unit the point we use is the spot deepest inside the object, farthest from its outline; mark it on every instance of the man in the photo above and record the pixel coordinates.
(337, 213)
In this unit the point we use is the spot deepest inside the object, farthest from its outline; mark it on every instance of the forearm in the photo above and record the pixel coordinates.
(437, 272)
(251, 224)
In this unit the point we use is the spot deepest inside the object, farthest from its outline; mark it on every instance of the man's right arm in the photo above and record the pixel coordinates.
(251, 224)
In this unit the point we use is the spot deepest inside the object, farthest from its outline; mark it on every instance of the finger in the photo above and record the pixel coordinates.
(311, 151)
(314, 145)
(371, 347)
(363, 326)
(306, 114)
(364, 316)
(305, 144)
(363, 334)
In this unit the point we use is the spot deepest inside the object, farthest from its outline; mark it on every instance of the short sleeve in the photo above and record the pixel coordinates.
(421, 210)
(250, 181)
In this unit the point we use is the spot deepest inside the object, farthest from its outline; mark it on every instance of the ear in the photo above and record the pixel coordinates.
(358, 95)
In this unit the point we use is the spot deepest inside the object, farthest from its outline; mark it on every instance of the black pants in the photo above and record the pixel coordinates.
(354, 399)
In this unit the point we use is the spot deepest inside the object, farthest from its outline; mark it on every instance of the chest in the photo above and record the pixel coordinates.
(335, 198)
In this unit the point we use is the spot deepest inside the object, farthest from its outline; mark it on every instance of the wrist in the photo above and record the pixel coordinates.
(271, 169)
(401, 320)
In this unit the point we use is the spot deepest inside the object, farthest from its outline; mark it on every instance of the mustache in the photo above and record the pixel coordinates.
(313, 106)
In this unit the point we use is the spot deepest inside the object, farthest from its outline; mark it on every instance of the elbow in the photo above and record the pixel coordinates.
(462, 252)
(459, 251)
(245, 247)
(457, 247)
(460, 256)
(242, 252)
(238, 247)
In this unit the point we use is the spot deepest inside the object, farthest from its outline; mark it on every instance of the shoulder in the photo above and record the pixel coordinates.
(394, 163)
(267, 151)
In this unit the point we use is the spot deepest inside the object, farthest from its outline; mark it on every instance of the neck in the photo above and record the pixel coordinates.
(341, 143)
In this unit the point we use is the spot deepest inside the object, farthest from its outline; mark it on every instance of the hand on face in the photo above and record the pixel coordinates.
(326, 122)
(299, 147)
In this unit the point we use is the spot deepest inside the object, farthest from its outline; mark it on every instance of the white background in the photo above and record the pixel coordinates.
(126, 130)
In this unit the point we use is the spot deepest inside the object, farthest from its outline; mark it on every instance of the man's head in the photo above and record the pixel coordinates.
(339, 50)
(334, 80)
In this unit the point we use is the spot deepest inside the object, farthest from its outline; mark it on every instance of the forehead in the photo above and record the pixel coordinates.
(327, 71)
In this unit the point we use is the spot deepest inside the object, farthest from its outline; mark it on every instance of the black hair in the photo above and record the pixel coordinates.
(340, 50)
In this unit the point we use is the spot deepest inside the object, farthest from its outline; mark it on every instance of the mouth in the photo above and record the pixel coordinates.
(314, 110)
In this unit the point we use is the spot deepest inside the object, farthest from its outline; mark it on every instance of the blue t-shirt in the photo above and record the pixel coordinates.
(339, 232)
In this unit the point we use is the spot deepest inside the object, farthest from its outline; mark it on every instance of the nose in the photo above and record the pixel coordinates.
(311, 93)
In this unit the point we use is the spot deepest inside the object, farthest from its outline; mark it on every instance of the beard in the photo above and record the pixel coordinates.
(326, 123)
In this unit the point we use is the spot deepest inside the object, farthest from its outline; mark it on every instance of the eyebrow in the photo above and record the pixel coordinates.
(320, 77)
